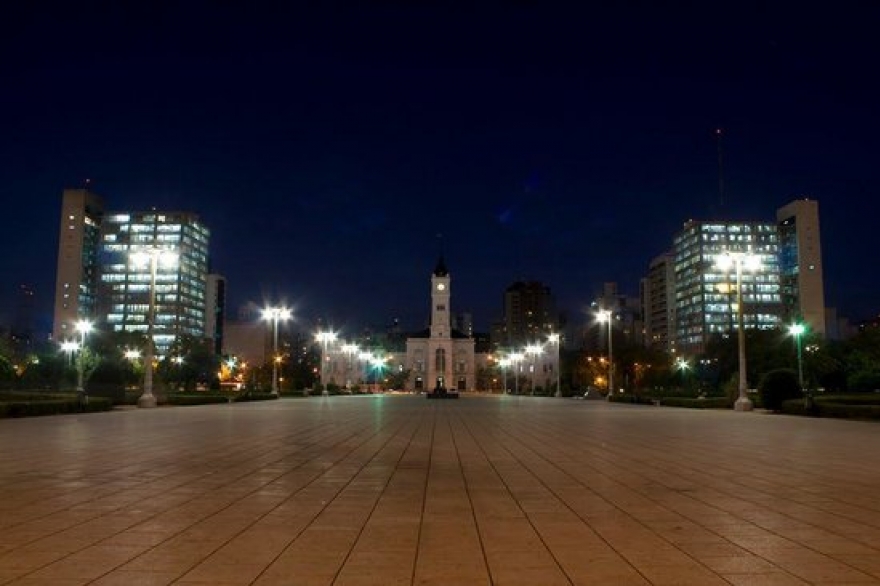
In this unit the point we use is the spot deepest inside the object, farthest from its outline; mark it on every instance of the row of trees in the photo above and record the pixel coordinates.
(851, 365)
(189, 364)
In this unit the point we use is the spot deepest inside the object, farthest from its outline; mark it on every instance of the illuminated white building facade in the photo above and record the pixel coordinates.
(705, 295)
(441, 357)
(180, 283)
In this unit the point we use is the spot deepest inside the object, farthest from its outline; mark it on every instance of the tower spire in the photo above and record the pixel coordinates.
(440, 270)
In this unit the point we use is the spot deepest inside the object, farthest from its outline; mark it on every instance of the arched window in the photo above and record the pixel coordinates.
(440, 360)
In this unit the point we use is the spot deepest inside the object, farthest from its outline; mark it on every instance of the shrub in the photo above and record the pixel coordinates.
(253, 396)
(195, 399)
(778, 386)
(865, 380)
(698, 403)
(107, 380)
(865, 406)
(50, 405)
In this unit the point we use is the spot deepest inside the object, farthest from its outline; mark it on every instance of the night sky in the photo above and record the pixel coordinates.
(327, 149)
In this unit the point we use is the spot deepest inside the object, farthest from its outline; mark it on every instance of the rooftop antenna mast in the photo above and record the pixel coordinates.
(718, 135)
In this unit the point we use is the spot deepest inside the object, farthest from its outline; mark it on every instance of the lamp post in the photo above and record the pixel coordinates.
(83, 326)
(533, 350)
(605, 315)
(324, 338)
(152, 256)
(515, 359)
(378, 364)
(682, 366)
(504, 363)
(69, 348)
(274, 315)
(752, 262)
(350, 350)
(556, 341)
(365, 358)
(797, 330)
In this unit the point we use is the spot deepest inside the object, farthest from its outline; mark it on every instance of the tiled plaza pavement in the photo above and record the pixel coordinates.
(397, 490)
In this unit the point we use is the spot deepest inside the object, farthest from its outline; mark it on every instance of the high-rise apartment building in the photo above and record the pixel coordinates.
(658, 301)
(76, 281)
(180, 242)
(529, 314)
(705, 295)
(800, 264)
(626, 314)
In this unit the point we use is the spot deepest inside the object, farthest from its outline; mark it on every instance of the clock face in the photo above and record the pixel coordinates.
(441, 286)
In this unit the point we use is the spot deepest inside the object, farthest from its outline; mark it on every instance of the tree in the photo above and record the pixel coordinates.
(396, 380)
(190, 362)
(778, 386)
(7, 374)
(42, 372)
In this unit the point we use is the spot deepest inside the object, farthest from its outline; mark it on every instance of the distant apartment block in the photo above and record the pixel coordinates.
(76, 280)
(800, 264)
(658, 302)
(687, 298)
(627, 318)
(529, 314)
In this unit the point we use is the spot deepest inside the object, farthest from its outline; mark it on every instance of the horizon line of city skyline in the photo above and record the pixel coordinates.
(405, 318)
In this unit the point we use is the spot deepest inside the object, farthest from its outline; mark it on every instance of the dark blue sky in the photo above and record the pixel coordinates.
(327, 148)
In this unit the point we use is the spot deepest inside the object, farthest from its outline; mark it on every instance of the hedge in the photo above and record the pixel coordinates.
(696, 403)
(53, 406)
(856, 406)
(182, 399)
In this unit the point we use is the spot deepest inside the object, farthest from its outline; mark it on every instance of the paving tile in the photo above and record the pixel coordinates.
(131, 578)
(353, 491)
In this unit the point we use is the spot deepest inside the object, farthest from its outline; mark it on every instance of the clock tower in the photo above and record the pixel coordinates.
(440, 359)
(441, 323)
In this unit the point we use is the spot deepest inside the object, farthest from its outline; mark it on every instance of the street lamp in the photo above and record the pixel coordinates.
(556, 341)
(274, 315)
(83, 326)
(534, 350)
(504, 363)
(605, 315)
(378, 364)
(153, 256)
(365, 358)
(324, 338)
(350, 350)
(751, 262)
(797, 330)
(69, 348)
(515, 359)
(682, 366)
